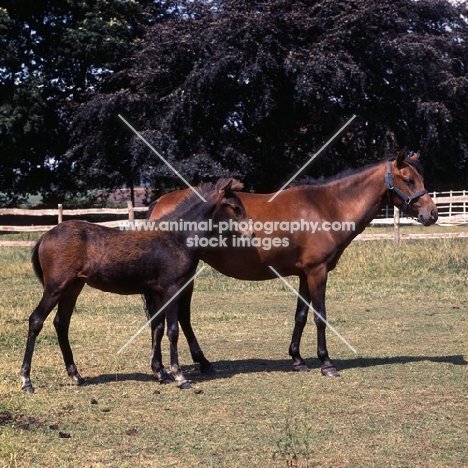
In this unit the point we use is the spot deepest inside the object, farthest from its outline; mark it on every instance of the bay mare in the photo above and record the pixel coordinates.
(154, 263)
(350, 201)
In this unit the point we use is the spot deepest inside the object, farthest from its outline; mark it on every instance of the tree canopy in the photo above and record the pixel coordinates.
(241, 88)
(53, 56)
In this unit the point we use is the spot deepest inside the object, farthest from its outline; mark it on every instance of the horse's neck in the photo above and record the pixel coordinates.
(360, 196)
(199, 212)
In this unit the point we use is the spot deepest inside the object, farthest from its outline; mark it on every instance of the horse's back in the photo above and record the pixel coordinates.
(166, 204)
(64, 250)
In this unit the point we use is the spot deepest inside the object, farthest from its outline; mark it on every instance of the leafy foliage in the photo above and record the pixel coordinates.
(228, 88)
(251, 89)
(53, 55)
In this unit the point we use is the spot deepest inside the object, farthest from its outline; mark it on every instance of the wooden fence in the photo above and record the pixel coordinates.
(452, 206)
(453, 211)
(60, 213)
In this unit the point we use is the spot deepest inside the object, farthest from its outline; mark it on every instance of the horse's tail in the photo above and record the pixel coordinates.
(36, 262)
(148, 299)
(151, 208)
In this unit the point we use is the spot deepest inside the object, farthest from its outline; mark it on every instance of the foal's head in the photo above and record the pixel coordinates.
(405, 184)
(228, 207)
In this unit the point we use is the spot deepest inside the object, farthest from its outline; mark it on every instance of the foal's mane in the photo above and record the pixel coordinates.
(205, 189)
(307, 180)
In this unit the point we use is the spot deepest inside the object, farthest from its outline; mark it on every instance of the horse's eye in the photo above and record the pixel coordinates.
(237, 210)
(409, 182)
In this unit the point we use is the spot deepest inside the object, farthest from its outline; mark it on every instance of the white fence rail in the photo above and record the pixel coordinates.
(60, 213)
(452, 207)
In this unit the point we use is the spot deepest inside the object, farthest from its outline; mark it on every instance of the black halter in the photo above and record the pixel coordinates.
(389, 182)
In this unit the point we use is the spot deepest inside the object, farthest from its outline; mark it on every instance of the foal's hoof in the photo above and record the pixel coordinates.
(28, 389)
(79, 380)
(300, 368)
(208, 369)
(185, 385)
(164, 377)
(329, 371)
(167, 379)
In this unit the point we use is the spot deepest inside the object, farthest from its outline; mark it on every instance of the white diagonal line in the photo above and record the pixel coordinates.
(161, 309)
(312, 158)
(310, 306)
(162, 159)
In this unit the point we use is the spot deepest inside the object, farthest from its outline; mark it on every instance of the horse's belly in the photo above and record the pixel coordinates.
(249, 263)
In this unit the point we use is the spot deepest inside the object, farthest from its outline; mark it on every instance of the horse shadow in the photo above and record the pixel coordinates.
(229, 369)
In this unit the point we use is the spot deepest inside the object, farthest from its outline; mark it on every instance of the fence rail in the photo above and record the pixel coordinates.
(452, 206)
(60, 213)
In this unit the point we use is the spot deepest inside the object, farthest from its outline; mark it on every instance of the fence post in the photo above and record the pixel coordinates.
(131, 214)
(396, 225)
(60, 213)
(464, 203)
(450, 206)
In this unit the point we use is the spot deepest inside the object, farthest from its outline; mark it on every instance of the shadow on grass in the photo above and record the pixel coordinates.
(119, 377)
(246, 366)
(457, 360)
(227, 369)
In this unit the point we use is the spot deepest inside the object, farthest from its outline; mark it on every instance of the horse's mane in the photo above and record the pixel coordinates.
(308, 180)
(205, 189)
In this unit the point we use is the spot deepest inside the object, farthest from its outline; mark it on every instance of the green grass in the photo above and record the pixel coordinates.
(401, 401)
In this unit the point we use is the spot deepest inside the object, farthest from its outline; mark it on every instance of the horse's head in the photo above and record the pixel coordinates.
(229, 209)
(405, 185)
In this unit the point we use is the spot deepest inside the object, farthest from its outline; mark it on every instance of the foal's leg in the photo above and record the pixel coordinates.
(36, 321)
(184, 319)
(173, 335)
(157, 333)
(62, 323)
(317, 281)
(302, 311)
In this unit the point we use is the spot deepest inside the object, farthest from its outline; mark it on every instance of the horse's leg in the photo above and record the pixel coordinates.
(157, 333)
(317, 281)
(302, 311)
(173, 335)
(184, 319)
(62, 318)
(36, 322)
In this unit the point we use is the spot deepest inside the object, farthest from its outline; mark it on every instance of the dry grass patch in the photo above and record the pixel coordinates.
(401, 401)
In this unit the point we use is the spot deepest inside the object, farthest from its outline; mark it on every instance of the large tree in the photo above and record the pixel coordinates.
(252, 88)
(53, 55)
(244, 88)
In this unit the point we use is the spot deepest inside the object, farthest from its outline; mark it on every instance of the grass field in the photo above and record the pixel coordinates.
(402, 400)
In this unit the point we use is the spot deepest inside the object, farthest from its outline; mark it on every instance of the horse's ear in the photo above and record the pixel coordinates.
(401, 157)
(226, 186)
(415, 156)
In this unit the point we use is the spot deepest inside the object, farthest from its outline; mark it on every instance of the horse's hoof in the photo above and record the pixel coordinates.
(168, 379)
(208, 370)
(300, 368)
(28, 389)
(163, 377)
(185, 385)
(329, 371)
(80, 381)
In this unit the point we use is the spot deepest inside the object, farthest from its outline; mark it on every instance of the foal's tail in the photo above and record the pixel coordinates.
(36, 262)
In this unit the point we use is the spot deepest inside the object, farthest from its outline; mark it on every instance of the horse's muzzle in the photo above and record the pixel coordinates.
(430, 220)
